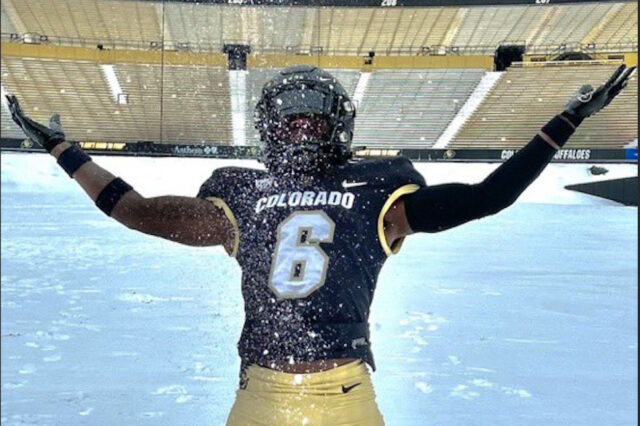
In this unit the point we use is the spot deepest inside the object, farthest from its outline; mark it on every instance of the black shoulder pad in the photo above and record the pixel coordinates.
(396, 171)
(403, 167)
(224, 180)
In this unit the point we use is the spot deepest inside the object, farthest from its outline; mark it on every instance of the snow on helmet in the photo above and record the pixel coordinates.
(304, 91)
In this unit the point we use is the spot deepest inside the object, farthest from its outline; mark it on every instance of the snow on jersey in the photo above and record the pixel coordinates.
(310, 251)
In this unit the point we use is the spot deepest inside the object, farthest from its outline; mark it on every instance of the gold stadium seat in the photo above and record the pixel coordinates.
(384, 31)
(191, 107)
(209, 27)
(486, 27)
(524, 99)
(411, 108)
(331, 30)
(570, 23)
(195, 107)
(75, 90)
(618, 29)
(120, 22)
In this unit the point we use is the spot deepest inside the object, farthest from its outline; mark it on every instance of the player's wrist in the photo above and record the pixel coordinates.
(574, 119)
(51, 142)
(59, 149)
(558, 130)
(71, 157)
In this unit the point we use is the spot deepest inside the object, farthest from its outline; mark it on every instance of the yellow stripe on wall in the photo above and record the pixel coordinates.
(108, 56)
(631, 59)
(379, 62)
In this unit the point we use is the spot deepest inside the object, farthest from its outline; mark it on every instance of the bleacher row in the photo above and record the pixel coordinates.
(396, 31)
(399, 108)
(525, 98)
(414, 106)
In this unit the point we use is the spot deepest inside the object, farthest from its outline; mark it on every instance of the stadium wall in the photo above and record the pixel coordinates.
(253, 61)
(151, 149)
(629, 59)
(107, 56)
(378, 62)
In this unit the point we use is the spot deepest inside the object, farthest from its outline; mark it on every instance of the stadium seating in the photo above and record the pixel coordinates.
(298, 29)
(400, 108)
(385, 31)
(619, 28)
(7, 128)
(195, 108)
(125, 23)
(76, 90)
(209, 27)
(411, 108)
(526, 98)
(487, 27)
(549, 26)
(337, 31)
(5, 21)
(570, 23)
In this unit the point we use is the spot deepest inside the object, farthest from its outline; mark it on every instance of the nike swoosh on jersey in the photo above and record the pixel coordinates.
(346, 184)
(346, 389)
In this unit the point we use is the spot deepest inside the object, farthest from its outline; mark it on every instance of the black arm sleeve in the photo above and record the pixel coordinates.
(441, 207)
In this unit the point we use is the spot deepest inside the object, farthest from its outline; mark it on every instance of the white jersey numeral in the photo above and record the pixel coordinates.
(299, 265)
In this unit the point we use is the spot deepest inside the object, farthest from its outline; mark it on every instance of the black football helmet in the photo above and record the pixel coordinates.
(308, 101)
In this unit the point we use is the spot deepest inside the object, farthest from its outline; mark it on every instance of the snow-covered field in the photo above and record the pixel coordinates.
(528, 317)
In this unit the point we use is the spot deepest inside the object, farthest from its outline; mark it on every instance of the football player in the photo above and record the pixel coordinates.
(311, 233)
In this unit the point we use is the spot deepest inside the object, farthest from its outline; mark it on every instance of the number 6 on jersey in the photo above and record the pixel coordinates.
(299, 265)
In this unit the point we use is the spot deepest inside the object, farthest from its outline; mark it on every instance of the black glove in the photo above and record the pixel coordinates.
(588, 101)
(45, 136)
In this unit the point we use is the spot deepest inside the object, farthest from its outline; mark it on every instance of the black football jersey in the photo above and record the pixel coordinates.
(310, 250)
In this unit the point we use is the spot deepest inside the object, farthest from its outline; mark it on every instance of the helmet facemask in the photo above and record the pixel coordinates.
(305, 124)
(301, 143)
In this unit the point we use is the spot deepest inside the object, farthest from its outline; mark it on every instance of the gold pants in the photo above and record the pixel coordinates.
(340, 396)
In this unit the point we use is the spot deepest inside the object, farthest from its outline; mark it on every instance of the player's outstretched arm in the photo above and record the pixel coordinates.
(186, 220)
(441, 207)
